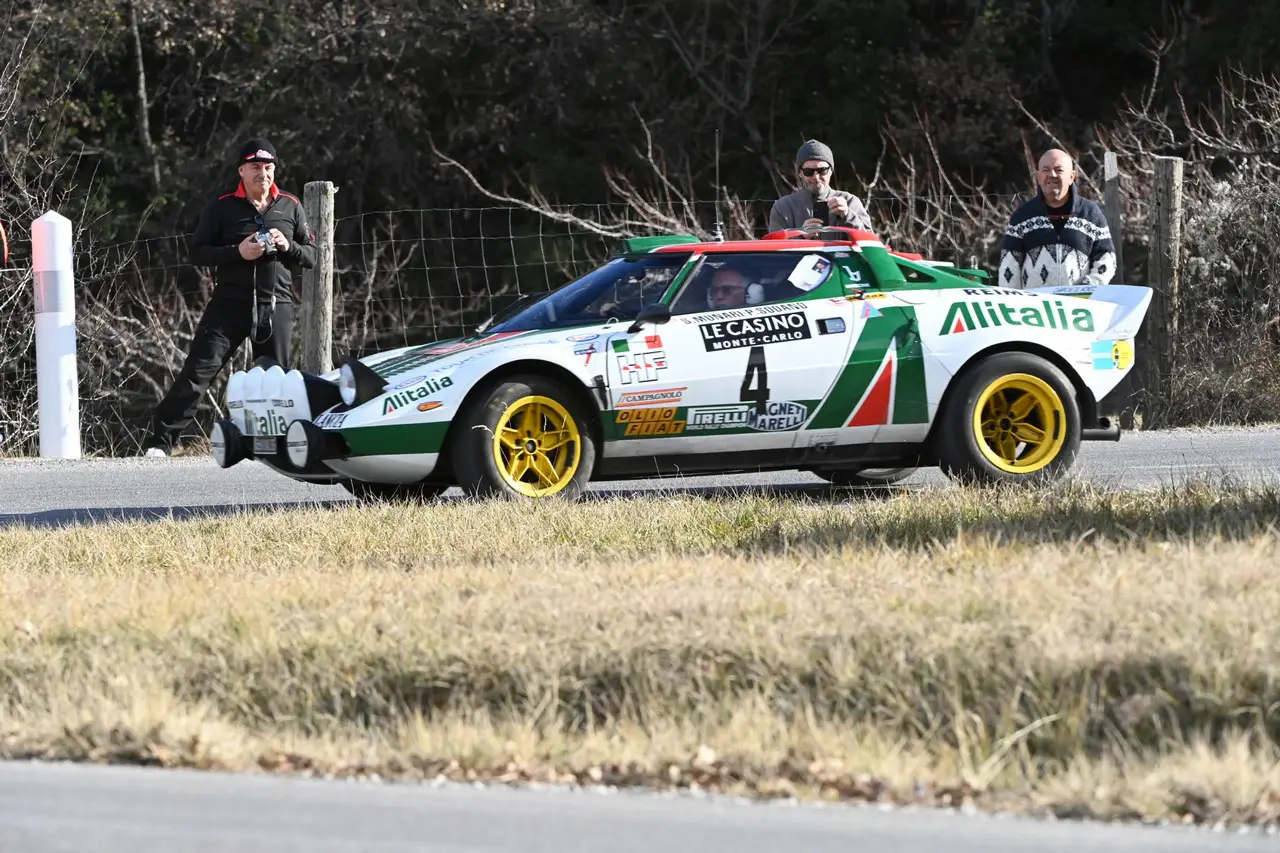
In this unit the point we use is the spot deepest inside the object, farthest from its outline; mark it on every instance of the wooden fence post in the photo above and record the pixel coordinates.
(1111, 206)
(1164, 273)
(316, 322)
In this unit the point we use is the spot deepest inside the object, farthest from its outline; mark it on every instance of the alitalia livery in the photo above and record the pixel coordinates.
(818, 350)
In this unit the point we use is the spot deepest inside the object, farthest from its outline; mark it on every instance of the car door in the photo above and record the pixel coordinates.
(879, 393)
(743, 374)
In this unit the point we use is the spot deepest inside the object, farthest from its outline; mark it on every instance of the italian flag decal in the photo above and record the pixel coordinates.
(883, 381)
(874, 407)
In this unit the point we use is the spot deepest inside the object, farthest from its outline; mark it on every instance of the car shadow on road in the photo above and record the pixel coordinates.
(90, 516)
(819, 492)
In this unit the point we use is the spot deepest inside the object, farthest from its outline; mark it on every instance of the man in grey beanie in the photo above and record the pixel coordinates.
(815, 165)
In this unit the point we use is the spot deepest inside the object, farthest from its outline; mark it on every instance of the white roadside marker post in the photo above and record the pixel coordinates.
(57, 375)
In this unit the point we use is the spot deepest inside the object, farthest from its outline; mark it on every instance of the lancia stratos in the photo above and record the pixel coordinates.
(822, 351)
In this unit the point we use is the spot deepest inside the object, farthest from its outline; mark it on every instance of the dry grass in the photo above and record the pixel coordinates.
(1075, 650)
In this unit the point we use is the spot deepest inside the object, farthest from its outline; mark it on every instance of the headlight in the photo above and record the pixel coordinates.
(347, 384)
(358, 383)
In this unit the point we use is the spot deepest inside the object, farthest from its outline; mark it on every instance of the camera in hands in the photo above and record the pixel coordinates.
(268, 245)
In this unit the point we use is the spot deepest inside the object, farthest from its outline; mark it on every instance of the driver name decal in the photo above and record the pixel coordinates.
(754, 331)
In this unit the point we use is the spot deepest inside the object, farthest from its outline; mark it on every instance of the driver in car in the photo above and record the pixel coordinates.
(730, 289)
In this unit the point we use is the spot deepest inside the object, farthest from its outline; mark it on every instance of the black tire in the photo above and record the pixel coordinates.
(367, 492)
(843, 477)
(565, 469)
(966, 457)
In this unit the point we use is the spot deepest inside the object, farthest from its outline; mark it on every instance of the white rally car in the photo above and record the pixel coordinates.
(819, 351)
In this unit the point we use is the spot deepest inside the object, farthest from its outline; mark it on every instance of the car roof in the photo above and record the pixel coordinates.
(792, 240)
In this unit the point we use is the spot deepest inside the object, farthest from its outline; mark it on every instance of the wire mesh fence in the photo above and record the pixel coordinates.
(409, 276)
(401, 278)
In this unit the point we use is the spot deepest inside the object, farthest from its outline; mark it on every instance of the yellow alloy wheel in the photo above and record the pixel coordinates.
(537, 446)
(1020, 423)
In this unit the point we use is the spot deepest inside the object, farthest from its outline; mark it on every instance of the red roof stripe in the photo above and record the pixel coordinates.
(792, 239)
(750, 246)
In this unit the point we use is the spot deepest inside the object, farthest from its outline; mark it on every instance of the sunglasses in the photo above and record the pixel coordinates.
(816, 170)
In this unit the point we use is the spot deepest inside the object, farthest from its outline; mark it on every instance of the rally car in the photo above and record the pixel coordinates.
(822, 351)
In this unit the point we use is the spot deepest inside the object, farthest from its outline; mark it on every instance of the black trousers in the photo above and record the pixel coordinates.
(223, 327)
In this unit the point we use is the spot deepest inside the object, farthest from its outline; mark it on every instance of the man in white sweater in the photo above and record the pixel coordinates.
(1058, 238)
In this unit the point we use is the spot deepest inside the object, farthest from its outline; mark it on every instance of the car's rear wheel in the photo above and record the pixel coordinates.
(367, 492)
(865, 477)
(1013, 417)
(524, 437)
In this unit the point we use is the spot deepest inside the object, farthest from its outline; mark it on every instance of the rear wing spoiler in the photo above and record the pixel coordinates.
(1132, 301)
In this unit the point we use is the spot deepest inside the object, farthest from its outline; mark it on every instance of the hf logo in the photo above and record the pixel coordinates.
(641, 366)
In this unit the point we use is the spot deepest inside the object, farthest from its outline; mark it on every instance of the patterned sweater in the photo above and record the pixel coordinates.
(1051, 247)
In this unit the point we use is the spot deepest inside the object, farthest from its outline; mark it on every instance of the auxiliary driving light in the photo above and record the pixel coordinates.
(305, 443)
(226, 443)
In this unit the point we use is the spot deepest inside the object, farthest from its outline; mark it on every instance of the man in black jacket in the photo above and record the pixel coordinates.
(254, 238)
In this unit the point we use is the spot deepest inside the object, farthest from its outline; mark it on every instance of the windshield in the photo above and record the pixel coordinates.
(617, 290)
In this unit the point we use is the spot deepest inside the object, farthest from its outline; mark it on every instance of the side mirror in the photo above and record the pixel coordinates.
(656, 314)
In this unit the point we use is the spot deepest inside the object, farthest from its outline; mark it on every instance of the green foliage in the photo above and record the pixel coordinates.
(552, 95)
(352, 94)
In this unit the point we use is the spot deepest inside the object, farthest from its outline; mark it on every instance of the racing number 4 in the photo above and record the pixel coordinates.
(756, 368)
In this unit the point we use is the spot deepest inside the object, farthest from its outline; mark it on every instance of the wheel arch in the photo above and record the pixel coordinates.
(548, 369)
(1085, 400)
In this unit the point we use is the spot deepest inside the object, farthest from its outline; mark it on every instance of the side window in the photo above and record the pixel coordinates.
(725, 281)
(635, 288)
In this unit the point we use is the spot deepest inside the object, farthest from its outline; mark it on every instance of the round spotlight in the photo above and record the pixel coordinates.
(226, 443)
(297, 443)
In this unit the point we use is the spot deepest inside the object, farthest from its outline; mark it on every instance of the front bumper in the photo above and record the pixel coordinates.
(301, 452)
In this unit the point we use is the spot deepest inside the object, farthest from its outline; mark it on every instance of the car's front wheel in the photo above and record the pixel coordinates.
(524, 437)
(1013, 417)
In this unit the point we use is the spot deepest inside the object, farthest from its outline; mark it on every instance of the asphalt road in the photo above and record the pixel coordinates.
(86, 809)
(53, 492)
